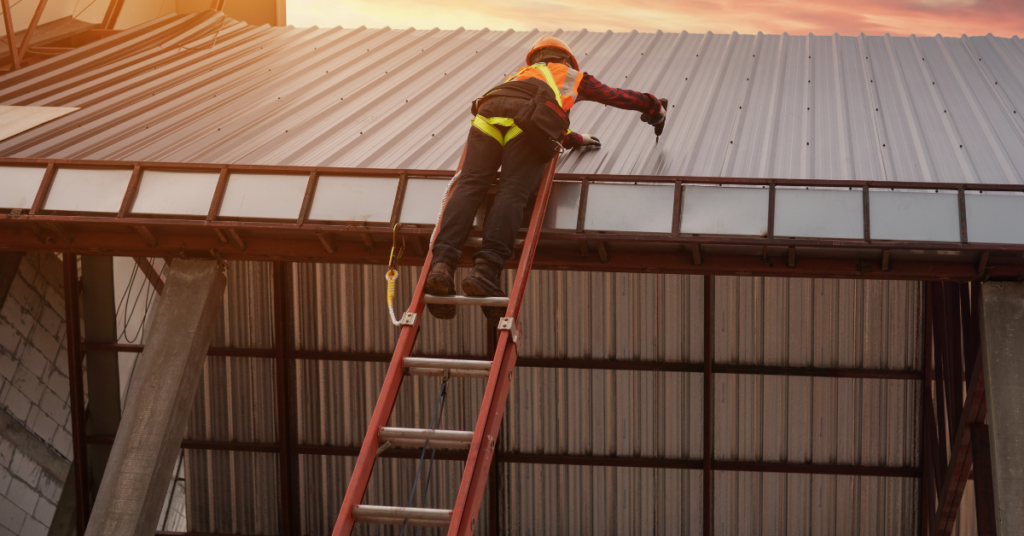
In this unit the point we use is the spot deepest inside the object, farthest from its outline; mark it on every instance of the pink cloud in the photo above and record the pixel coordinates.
(847, 17)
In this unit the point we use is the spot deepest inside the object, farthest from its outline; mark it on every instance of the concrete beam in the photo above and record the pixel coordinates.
(159, 402)
(1002, 331)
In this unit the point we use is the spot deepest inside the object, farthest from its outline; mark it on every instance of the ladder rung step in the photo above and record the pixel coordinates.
(415, 437)
(452, 373)
(440, 363)
(396, 515)
(457, 368)
(498, 301)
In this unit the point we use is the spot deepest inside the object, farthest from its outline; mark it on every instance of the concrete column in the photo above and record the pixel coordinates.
(1002, 332)
(159, 402)
(9, 263)
(99, 319)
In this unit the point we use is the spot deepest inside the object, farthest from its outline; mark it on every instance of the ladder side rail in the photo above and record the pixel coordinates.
(495, 413)
(475, 474)
(388, 395)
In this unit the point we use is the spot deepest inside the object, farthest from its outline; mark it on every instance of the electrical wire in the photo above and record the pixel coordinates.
(435, 421)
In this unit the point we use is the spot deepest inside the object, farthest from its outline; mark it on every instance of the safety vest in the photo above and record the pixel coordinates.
(563, 80)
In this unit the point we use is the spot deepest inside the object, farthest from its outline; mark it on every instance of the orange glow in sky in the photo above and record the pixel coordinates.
(847, 17)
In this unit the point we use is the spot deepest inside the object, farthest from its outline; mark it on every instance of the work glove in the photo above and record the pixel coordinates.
(657, 120)
(589, 140)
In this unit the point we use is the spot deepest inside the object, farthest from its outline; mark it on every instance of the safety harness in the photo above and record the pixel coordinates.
(522, 89)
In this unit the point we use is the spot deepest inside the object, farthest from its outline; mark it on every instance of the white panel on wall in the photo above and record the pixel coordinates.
(995, 218)
(175, 192)
(251, 195)
(717, 210)
(563, 206)
(18, 185)
(354, 199)
(88, 190)
(423, 201)
(819, 213)
(924, 216)
(645, 208)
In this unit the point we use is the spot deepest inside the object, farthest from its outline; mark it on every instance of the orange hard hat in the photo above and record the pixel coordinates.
(553, 42)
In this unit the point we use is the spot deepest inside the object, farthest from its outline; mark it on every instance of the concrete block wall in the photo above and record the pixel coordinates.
(34, 393)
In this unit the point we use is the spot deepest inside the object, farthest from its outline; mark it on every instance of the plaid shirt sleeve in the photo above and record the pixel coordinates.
(593, 90)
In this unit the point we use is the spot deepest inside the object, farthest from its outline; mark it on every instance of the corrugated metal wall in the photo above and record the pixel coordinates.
(792, 322)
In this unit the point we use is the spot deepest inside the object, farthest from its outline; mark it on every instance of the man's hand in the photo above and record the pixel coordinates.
(589, 140)
(657, 120)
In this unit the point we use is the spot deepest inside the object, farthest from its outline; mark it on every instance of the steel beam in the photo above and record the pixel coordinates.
(27, 40)
(151, 273)
(301, 240)
(102, 372)
(576, 460)
(555, 362)
(960, 449)
(113, 12)
(284, 383)
(709, 404)
(9, 29)
(306, 247)
(73, 323)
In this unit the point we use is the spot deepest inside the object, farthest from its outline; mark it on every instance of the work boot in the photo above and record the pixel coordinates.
(441, 282)
(485, 280)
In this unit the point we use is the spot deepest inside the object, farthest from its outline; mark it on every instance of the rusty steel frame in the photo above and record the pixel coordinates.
(77, 391)
(9, 31)
(285, 386)
(947, 428)
(708, 476)
(113, 12)
(152, 274)
(953, 429)
(554, 362)
(579, 460)
(27, 40)
(311, 241)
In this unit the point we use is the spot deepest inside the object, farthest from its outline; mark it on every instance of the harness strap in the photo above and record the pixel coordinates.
(488, 125)
(550, 79)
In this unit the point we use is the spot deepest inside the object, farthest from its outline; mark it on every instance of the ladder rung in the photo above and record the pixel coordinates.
(497, 301)
(415, 437)
(457, 368)
(396, 515)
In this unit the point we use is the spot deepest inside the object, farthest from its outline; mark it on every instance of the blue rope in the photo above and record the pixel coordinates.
(434, 422)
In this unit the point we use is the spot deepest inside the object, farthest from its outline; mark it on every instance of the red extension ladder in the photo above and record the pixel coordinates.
(480, 443)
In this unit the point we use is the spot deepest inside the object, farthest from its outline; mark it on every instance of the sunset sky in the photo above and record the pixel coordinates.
(821, 17)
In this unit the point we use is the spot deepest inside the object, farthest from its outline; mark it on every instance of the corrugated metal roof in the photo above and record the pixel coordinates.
(794, 322)
(203, 88)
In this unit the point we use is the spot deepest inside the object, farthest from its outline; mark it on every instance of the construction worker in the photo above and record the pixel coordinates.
(518, 126)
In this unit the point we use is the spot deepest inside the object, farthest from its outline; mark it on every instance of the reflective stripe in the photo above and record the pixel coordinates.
(550, 79)
(486, 125)
(569, 84)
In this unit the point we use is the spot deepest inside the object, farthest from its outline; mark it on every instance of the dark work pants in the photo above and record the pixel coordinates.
(521, 172)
